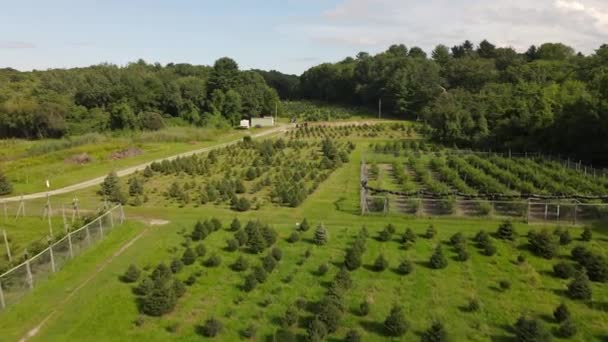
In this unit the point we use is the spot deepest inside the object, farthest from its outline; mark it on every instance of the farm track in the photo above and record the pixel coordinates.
(140, 167)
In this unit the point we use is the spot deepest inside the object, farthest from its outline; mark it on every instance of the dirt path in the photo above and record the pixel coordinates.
(34, 331)
(140, 167)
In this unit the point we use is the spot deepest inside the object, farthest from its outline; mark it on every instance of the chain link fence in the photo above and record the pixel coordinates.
(19, 280)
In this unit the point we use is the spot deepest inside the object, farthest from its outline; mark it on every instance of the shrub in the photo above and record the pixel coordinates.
(596, 267)
(580, 254)
(190, 280)
(521, 259)
(316, 330)
(212, 327)
(352, 260)
(232, 245)
(473, 305)
(384, 235)
(435, 333)
(561, 313)
(529, 330)
(200, 250)
(587, 234)
(504, 284)
(380, 264)
(241, 264)
(364, 308)
(144, 287)
(506, 231)
(260, 274)
(284, 335)
(235, 225)
(159, 302)
(131, 274)
(430, 232)
(563, 270)
(543, 244)
(294, 237)
(249, 332)
(438, 260)
(579, 287)
(322, 269)
(176, 265)
(565, 238)
(269, 263)
(290, 318)
(462, 255)
(395, 323)
(250, 282)
(213, 261)
(152, 121)
(320, 237)
(277, 254)
(481, 238)
(178, 288)
(489, 249)
(5, 185)
(457, 239)
(304, 225)
(405, 267)
(566, 329)
(352, 336)
(409, 236)
(242, 204)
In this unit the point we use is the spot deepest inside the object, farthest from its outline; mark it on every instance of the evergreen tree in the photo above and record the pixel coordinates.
(131, 275)
(587, 234)
(430, 232)
(294, 237)
(304, 225)
(457, 239)
(316, 331)
(176, 265)
(530, 330)
(212, 327)
(111, 189)
(563, 270)
(235, 225)
(380, 264)
(5, 185)
(409, 236)
(251, 282)
(579, 287)
(200, 250)
(256, 241)
(506, 231)
(405, 267)
(232, 245)
(438, 260)
(565, 238)
(543, 243)
(188, 257)
(269, 263)
(241, 264)
(260, 274)
(435, 333)
(364, 308)
(395, 323)
(320, 237)
(352, 261)
(566, 329)
(561, 313)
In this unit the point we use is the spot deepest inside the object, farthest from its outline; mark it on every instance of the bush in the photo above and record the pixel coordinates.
(543, 244)
(131, 274)
(438, 260)
(430, 232)
(232, 245)
(530, 330)
(242, 204)
(294, 237)
(405, 267)
(409, 236)
(260, 274)
(235, 225)
(200, 250)
(435, 333)
(462, 255)
(457, 239)
(284, 335)
(249, 332)
(504, 284)
(250, 282)
(561, 313)
(380, 264)
(482, 238)
(587, 234)
(290, 318)
(322, 269)
(521, 259)
(364, 308)
(5, 185)
(176, 265)
(304, 225)
(320, 237)
(269, 263)
(489, 249)
(395, 323)
(212, 327)
(144, 287)
(579, 287)
(563, 270)
(151, 121)
(277, 254)
(473, 305)
(316, 330)
(190, 280)
(241, 264)
(158, 302)
(506, 231)
(352, 336)
(565, 238)
(566, 329)
(352, 260)
(213, 261)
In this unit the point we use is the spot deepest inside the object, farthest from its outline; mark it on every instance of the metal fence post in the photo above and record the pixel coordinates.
(101, 227)
(111, 218)
(88, 235)
(52, 258)
(70, 245)
(122, 214)
(30, 279)
(8, 248)
(2, 303)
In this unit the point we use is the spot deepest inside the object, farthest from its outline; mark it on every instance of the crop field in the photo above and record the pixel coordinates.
(316, 269)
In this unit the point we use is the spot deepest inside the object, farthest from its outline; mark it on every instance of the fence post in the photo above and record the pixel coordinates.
(122, 214)
(528, 213)
(101, 226)
(546, 210)
(575, 210)
(52, 258)
(70, 244)
(2, 303)
(8, 248)
(88, 235)
(30, 279)
(111, 218)
(557, 210)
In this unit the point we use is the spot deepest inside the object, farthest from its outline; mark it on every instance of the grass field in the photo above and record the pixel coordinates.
(105, 308)
(29, 163)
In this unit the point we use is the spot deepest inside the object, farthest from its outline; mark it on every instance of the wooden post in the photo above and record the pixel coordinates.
(52, 258)
(2, 303)
(8, 248)
(30, 279)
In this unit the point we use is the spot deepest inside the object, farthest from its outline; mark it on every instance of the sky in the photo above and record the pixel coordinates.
(285, 35)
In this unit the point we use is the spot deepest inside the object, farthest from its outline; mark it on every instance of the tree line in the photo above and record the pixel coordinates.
(549, 98)
(140, 95)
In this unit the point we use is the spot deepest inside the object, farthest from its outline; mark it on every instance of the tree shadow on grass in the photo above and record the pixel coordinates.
(423, 263)
(597, 305)
(504, 338)
(547, 318)
(373, 327)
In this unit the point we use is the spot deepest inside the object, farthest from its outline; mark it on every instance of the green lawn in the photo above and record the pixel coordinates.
(105, 308)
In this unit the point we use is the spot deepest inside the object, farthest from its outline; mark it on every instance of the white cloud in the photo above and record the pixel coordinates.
(375, 24)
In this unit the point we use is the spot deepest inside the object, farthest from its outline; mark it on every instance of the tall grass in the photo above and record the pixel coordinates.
(48, 146)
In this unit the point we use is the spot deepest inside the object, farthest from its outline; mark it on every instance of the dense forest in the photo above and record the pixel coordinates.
(59, 102)
(547, 99)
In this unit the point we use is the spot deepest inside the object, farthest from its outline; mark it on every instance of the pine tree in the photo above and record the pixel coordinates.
(251, 282)
(176, 265)
(438, 260)
(409, 236)
(530, 330)
(352, 260)
(561, 313)
(431, 232)
(188, 257)
(256, 241)
(320, 237)
(506, 231)
(405, 267)
(304, 226)
(380, 264)
(235, 225)
(435, 333)
(579, 287)
(5, 185)
(395, 323)
(132, 274)
(111, 189)
(587, 234)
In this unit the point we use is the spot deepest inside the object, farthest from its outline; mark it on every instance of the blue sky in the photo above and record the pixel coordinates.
(287, 35)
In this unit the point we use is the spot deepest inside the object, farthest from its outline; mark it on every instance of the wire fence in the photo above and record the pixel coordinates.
(22, 278)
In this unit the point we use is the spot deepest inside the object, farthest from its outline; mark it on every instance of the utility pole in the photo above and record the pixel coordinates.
(379, 108)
